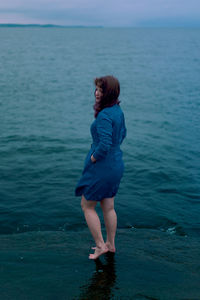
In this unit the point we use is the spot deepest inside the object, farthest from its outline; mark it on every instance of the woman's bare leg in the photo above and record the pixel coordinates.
(110, 219)
(94, 225)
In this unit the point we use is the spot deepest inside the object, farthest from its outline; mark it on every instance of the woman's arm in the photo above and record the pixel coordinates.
(104, 131)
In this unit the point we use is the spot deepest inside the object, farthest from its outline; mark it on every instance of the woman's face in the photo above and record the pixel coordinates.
(98, 93)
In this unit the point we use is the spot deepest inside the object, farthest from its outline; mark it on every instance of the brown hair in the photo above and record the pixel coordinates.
(111, 89)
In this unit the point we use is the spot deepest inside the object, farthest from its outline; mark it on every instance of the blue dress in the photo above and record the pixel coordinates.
(101, 179)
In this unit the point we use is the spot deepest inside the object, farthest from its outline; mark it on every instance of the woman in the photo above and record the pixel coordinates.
(103, 167)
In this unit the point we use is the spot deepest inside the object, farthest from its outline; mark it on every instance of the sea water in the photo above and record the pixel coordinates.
(46, 108)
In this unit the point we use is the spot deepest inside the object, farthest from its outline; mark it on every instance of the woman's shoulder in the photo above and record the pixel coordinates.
(110, 113)
(111, 109)
(103, 115)
(105, 112)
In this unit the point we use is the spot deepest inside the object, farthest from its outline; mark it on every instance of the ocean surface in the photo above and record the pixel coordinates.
(46, 108)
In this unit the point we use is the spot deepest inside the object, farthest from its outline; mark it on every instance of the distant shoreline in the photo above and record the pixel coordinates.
(14, 25)
(47, 25)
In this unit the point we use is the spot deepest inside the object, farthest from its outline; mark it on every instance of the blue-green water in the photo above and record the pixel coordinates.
(46, 99)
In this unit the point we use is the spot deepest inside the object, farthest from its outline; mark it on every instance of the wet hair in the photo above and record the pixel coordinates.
(110, 89)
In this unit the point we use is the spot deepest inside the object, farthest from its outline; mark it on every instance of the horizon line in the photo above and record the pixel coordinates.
(95, 26)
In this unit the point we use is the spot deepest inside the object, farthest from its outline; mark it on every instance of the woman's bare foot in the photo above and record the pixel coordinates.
(111, 248)
(98, 252)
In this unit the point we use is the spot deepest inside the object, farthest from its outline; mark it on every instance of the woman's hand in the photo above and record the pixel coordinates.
(93, 159)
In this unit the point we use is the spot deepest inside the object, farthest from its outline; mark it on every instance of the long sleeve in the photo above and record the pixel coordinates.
(104, 131)
(124, 131)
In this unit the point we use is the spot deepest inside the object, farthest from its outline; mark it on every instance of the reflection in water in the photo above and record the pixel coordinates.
(103, 280)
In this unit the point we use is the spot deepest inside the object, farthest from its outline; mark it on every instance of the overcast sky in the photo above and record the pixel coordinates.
(102, 13)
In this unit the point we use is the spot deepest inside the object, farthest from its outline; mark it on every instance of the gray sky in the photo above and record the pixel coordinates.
(103, 13)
